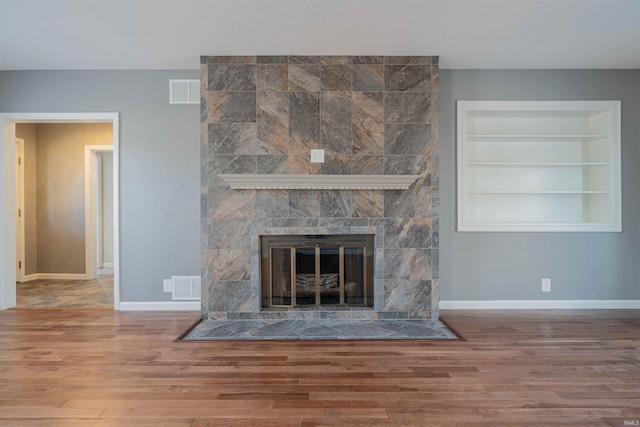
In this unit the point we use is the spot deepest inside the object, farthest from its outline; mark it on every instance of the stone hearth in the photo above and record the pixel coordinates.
(372, 115)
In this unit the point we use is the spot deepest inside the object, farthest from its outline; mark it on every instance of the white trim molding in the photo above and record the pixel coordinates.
(57, 276)
(318, 182)
(538, 304)
(161, 306)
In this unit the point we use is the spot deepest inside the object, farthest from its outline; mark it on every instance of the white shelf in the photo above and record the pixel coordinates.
(318, 182)
(539, 166)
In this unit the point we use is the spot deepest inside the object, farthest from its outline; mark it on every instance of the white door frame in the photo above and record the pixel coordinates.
(92, 205)
(8, 194)
(20, 226)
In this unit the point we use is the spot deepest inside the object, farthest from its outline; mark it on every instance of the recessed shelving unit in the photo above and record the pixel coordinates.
(539, 166)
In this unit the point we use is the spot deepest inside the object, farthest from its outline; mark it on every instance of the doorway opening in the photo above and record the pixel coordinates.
(88, 216)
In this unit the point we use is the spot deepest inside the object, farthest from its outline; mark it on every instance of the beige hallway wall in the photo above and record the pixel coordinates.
(60, 193)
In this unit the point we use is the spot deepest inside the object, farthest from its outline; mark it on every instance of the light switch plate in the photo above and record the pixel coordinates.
(317, 156)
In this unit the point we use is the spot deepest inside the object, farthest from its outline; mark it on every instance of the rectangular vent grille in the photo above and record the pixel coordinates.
(185, 288)
(184, 91)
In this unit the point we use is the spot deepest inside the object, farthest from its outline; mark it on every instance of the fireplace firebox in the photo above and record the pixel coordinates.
(317, 270)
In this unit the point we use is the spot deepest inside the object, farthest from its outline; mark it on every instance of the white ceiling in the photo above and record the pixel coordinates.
(172, 34)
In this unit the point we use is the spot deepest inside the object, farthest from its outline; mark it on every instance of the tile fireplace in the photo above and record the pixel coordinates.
(376, 118)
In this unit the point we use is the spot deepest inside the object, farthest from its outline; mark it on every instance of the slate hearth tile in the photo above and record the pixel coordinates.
(229, 164)
(367, 122)
(367, 203)
(281, 328)
(319, 331)
(335, 203)
(407, 107)
(367, 165)
(304, 122)
(302, 165)
(230, 295)
(335, 122)
(272, 60)
(407, 60)
(435, 302)
(406, 139)
(405, 165)
(232, 77)
(304, 78)
(336, 165)
(233, 138)
(293, 59)
(367, 59)
(409, 78)
(272, 77)
(336, 77)
(407, 295)
(368, 77)
(407, 233)
(335, 60)
(231, 59)
(407, 264)
(230, 234)
(225, 203)
(273, 122)
(232, 106)
(229, 264)
(304, 203)
(412, 203)
(272, 203)
(272, 164)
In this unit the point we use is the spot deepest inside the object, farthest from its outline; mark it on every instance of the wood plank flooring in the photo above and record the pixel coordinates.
(516, 368)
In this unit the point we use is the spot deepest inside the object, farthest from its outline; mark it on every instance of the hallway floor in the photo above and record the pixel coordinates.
(97, 293)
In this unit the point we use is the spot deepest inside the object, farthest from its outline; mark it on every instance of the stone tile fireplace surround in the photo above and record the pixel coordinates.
(372, 115)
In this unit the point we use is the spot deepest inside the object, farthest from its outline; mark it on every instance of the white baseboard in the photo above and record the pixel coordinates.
(54, 276)
(161, 306)
(538, 304)
(107, 265)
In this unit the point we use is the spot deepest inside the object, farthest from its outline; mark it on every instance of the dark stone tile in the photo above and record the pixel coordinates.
(407, 60)
(367, 59)
(304, 203)
(404, 165)
(304, 78)
(272, 77)
(304, 122)
(336, 77)
(230, 234)
(319, 331)
(367, 122)
(367, 203)
(335, 203)
(204, 109)
(383, 315)
(280, 329)
(232, 77)
(230, 265)
(225, 203)
(272, 203)
(435, 264)
(230, 164)
(336, 165)
(272, 164)
(232, 138)
(273, 122)
(407, 264)
(301, 164)
(296, 222)
(407, 233)
(407, 78)
(412, 203)
(367, 165)
(435, 233)
(335, 122)
(293, 59)
(406, 139)
(368, 77)
(272, 60)
(407, 107)
(343, 222)
(335, 60)
(242, 316)
(231, 59)
(232, 106)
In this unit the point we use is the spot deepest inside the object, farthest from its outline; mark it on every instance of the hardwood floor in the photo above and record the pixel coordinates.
(105, 368)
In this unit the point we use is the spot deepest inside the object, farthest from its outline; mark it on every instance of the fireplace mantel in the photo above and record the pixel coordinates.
(318, 182)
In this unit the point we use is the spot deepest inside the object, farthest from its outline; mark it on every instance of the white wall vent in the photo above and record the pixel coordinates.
(183, 288)
(184, 91)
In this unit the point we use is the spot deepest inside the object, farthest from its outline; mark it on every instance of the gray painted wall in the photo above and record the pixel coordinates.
(159, 163)
(494, 266)
(27, 131)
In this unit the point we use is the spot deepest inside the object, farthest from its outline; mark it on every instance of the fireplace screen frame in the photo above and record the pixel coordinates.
(317, 242)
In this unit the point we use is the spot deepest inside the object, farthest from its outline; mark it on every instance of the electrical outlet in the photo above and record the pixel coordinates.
(166, 285)
(546, 285)
(317, 156)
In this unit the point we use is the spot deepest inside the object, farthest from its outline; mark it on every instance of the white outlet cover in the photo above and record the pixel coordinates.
(167, 285)
(546, 285)
(317, 156)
